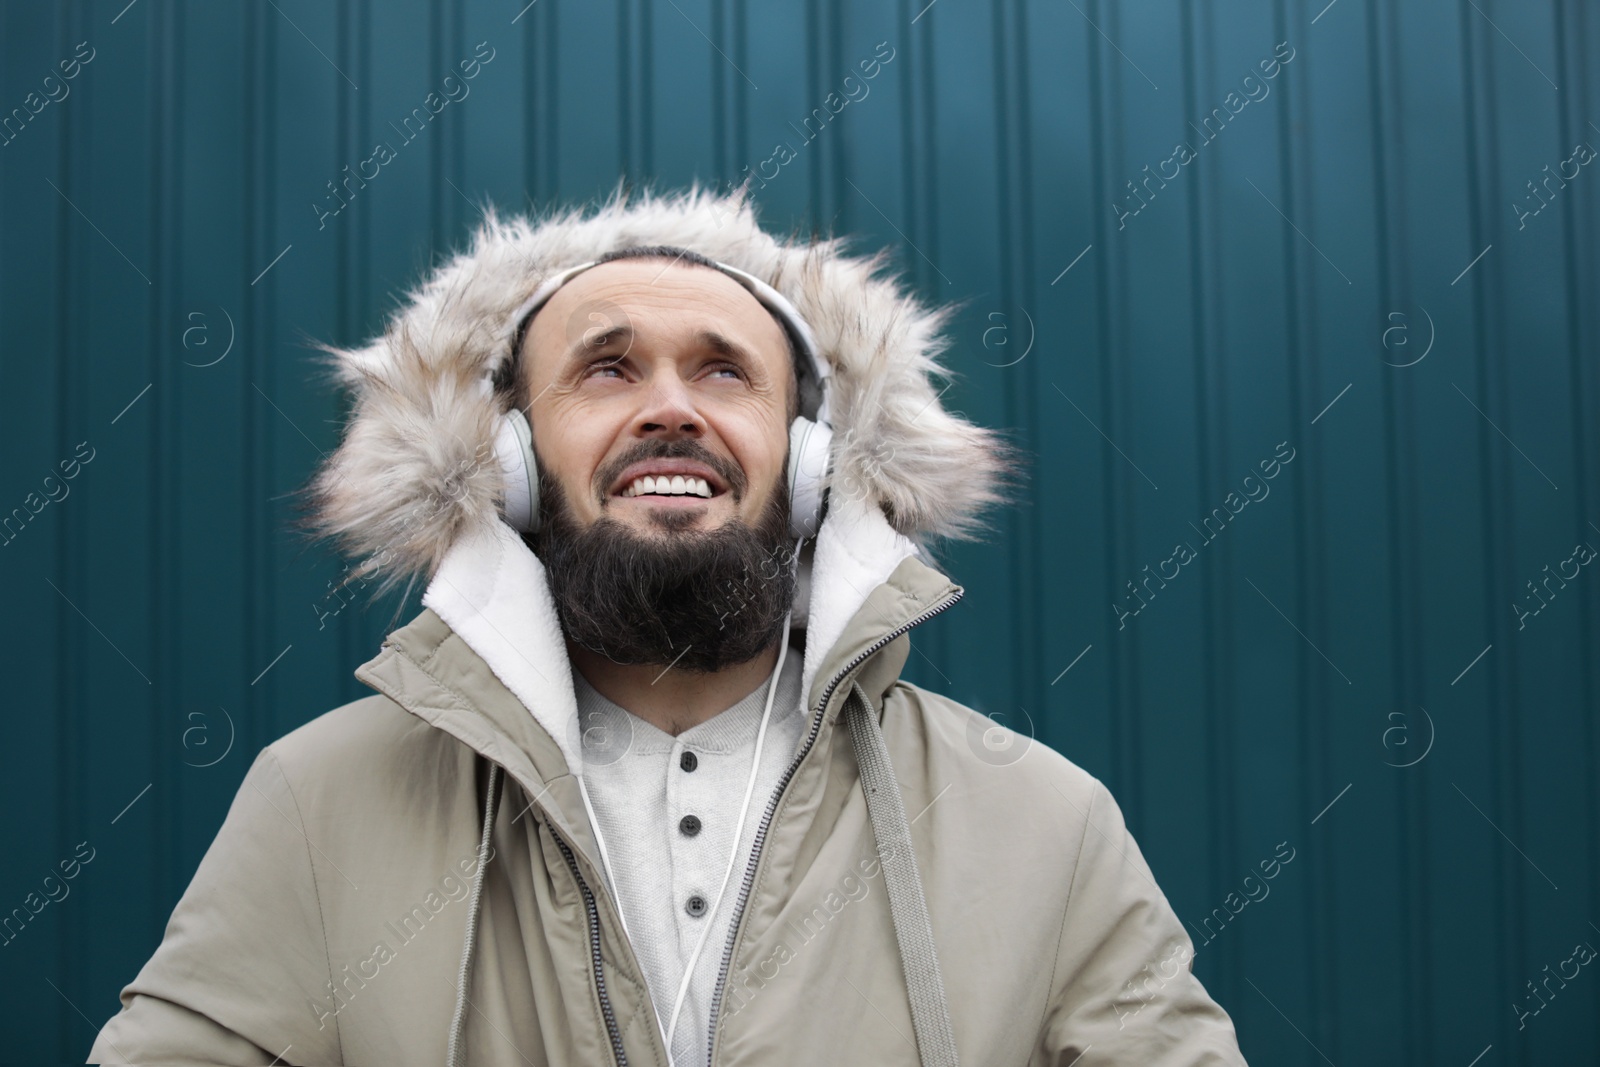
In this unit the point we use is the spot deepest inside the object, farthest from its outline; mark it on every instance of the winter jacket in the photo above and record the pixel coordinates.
(412, 878)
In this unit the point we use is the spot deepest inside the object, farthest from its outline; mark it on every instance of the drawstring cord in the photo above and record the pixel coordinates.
(908, 904)
(457, 1050)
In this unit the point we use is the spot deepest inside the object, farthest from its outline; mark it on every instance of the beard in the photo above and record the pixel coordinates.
(697, 600)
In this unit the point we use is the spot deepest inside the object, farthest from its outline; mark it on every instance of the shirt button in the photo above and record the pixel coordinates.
(688, 761)
(690, 825)
(696, 906)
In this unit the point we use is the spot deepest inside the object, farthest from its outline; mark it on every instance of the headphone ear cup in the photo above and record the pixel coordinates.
(810, 460)
(513, 447)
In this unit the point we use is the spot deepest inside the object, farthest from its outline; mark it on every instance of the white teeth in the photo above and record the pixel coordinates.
(676, 485)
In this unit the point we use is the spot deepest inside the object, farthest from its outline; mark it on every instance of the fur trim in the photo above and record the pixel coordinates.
(416, 466)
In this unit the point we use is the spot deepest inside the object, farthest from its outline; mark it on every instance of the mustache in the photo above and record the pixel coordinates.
(681, 448)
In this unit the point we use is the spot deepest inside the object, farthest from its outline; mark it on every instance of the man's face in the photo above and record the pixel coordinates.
(658, 402)
(648, 369)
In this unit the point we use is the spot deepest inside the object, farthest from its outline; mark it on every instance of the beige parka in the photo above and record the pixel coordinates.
(412, 878)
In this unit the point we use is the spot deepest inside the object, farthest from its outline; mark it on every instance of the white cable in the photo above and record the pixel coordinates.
(738, 832)
(605, 858)
(605, 862)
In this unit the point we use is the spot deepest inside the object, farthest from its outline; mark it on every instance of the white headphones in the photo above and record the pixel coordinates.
(810, 454)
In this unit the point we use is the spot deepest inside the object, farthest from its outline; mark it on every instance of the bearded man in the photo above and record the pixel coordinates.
(642, 784)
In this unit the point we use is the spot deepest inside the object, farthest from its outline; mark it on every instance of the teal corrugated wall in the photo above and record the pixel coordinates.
(1311, 401)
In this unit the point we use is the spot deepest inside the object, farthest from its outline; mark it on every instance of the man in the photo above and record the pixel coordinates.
(641, 784)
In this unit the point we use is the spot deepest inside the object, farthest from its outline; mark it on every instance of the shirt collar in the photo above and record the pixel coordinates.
(610, 731)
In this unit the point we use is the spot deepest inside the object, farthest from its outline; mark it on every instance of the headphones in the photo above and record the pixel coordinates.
(810, 453)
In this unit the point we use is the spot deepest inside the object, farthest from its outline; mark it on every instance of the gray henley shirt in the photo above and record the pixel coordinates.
(666, 806)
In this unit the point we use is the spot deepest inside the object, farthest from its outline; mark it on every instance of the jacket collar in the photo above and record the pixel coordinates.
(493, 593)
(485, 662)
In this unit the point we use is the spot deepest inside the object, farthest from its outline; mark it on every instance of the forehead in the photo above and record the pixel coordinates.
(654, 294)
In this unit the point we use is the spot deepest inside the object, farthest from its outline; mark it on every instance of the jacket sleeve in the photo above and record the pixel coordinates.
(1125, 992)
(241, 975)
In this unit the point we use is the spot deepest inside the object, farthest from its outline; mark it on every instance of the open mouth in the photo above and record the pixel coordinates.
(673, 481)
(668, 486)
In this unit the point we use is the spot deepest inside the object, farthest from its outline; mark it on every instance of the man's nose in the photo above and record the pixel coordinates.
(669, 410)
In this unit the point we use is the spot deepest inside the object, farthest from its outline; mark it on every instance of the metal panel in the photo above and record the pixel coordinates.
(1150, 326)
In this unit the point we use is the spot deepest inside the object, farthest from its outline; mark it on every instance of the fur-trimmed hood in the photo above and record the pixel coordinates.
(416, 470)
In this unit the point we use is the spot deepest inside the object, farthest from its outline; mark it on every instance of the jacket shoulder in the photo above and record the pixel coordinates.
(975, 746)
(368, 731)
(369, 756)
(1121, 979)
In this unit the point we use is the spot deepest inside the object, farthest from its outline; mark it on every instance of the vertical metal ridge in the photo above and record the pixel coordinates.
(908, 116)
(1209, 363)
(741, 141)
(1118, 415)
(1217, 796)
(1005, 250)
(347, 324)
(1507, 941)
(250, 74)
(165, 171)
(357, 39)
(930, 142)
(836, 148)
(361, 238)
(1304, 359)
(1383, 122)
(918, 123)
(531, 97)
(456, 161)
(1009, 51)
(552, 98)
(361, 231)
(1211, 369)
(534, 123)
(1493, 373)
(625, 120)
(163, 472)
(266, 238)
(1032, 522)
(647, 66)
(1417, 914)
(1582, 324)
(722, 100)
(1111, 280)
(819, 211)
(68, 787)
(436, 146)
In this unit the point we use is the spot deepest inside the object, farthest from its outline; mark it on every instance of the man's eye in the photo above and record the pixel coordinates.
(604, 367)
(726, 368)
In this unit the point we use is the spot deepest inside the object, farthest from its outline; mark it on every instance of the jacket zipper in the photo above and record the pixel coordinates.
(594, 951)
(772, 807)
